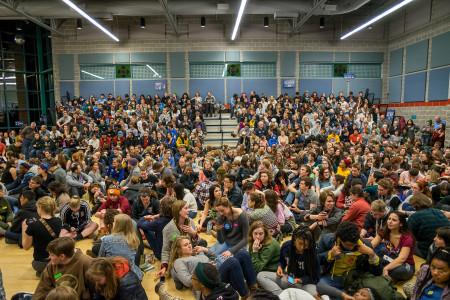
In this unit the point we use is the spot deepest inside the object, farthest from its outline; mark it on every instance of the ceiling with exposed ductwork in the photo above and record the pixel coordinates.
(103, 9)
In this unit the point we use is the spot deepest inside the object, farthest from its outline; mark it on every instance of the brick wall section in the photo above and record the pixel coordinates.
(425, 113)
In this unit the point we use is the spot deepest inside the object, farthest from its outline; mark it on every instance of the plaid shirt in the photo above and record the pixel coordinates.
(201, 192)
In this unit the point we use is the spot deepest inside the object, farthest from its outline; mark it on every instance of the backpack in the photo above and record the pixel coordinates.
(381, 287)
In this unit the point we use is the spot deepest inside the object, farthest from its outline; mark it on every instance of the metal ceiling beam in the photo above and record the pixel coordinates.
(316, 5)
(13, 5)
(169, 16)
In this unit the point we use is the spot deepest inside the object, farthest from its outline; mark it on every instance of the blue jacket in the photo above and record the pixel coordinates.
(116, 245)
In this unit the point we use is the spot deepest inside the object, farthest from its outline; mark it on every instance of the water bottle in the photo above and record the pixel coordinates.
(209, 227)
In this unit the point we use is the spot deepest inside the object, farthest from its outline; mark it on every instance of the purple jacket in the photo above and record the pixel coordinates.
(420, 278)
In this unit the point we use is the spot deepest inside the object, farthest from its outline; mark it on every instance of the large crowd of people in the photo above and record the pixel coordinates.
(317, 190)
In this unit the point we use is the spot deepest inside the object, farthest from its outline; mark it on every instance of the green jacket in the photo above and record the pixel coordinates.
(266, 259)
(6, 213)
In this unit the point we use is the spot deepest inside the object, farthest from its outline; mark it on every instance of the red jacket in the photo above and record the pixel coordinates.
(122, 203)
(357, 212)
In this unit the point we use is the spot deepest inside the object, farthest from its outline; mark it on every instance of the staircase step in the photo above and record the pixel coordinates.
(216, 135)
(225, 128)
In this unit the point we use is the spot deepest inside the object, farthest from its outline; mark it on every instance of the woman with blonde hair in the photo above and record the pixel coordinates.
(123, 241)
(39, 233)
(180, 224)
(62, 293)
(236, 270)
(112, 278)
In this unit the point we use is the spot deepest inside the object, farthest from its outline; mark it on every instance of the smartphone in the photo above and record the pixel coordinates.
(291, 279)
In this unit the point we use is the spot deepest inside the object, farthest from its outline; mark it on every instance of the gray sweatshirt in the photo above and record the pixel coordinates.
(170, 233)
(234, 232)
(184, 267)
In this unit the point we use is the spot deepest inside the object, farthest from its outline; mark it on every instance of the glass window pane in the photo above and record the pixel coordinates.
(149, 71)
(97, 72)
(207, 70)
(365, 70)
(258, 70)
(32, 83)
(316, 70)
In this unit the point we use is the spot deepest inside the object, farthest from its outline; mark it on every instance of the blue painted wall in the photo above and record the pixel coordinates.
(267, 87)
(233, 87)
(178, 86)
(438, 84)
(316, 56)
(66, 66)
(207, 56)
(319, 85)
(338, 84)
(415, 87)
(146, 87)
(88, 88)
(122, 87)
(259, 56)
(441, 49)
(97, 58)
(416, 57)
(148, 57)
(396, 62)
(395, 89)
(122, 58)
(177, 65)
(287, 64)
(67, 86)
(216, 86)
(374, 86)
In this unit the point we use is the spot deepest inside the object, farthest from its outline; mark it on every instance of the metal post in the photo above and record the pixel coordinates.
(40, 57)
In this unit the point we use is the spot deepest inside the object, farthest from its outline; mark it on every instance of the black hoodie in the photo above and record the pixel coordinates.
(223, 292)
(28, 211)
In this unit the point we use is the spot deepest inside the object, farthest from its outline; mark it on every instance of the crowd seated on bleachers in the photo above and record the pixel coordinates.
(317, 191)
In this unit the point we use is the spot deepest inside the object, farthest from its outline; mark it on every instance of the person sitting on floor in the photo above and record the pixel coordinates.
(113, 278)
(76, 218)
(40, 232)
(28, 210)
(67, 266)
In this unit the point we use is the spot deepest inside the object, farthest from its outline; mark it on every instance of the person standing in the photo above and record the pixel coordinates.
(28, 136)
(210, 102)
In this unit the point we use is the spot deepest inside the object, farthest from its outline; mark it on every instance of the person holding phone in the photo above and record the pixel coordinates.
(338, 254)
(298, 266)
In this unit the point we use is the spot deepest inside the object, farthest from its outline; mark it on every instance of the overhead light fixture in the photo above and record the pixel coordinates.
(11, 83)
(266, 21)
(8, 77)
(322, 23)
(79, 24)
(370, 27)
(90, 74)
(90, 19)
(375, 19)
(142, 23)
(238, 19)
(19, 27)
(155, 74)
(202, 22)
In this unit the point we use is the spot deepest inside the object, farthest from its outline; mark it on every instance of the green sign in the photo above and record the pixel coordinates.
(234, 70)
(123, 71)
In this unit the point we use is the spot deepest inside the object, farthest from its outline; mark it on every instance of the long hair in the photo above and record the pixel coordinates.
(272, 199)
(123, 225)
(442, 254)
(175, 251)
(103, 267)
(267, 236)
(176, 208)
(402, 217)
(303, 232)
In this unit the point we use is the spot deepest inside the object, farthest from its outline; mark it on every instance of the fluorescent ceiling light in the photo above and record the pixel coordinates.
(375, 19)
(10, 83)
(238, 19)
(93, 75)
(90, 19)
(154, 72)
(11, 77)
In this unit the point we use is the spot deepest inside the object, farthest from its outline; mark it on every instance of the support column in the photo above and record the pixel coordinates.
(40, 57)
